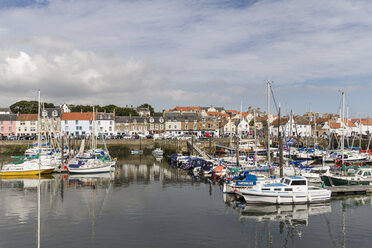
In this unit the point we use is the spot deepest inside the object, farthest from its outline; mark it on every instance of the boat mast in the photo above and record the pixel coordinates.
(316, 136)
(280, 146)
(255, 138)
(38, 187)
(290, 134)
(268, 122)
(343, 128)
(360, 133)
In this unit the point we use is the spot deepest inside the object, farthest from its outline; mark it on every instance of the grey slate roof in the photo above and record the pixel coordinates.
(177, 116)
(50, 111)
(105, 116)
(8, 117)
(122, 119)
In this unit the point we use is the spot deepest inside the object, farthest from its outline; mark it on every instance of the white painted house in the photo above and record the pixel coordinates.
(77, 124)
(243, 127)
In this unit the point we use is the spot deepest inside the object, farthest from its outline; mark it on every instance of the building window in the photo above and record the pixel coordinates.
(209, 125)
(175, 126)
(2, 128)
(76, 122)
(186, 126)
(33, 123)
(25, 129)
(10, 129)
(194, 126)
(65, 122)
(161, 126)
(170, 126)
(156, 126)
(1, 122)
(145, 128)
(110, 129)
(151, 126)
(110, 122)
(23, 123)
(99, 122)
(90, 122)
(66, 128)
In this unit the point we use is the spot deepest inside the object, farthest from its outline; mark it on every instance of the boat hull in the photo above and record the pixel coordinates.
(339, 181)
(26, 172)
(91, 170)
(259, 197)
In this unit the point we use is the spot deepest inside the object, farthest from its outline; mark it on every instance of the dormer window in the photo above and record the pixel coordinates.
(161, 119)
(45, 113)
(54, 113)
(151, 119)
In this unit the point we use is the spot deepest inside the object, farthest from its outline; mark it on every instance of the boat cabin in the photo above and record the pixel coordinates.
(365, 172)
(287, 184)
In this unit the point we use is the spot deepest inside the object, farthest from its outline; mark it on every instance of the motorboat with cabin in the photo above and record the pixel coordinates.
(290, 190)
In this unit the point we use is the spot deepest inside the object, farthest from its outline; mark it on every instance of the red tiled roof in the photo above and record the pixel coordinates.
(232, 111)
(349, 123)
(27, 117)
(178, 108)
(263, 118)
(334, 125)
(364, 121)
(77, 116)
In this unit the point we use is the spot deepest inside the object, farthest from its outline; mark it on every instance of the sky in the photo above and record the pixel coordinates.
(188, 53)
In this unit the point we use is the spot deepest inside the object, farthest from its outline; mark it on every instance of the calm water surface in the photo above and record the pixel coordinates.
(146, 203)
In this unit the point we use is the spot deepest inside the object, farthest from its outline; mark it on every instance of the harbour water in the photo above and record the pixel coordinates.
(147, 203)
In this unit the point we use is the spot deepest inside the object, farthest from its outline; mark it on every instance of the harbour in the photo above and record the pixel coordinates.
(166, 206)
(206, 124)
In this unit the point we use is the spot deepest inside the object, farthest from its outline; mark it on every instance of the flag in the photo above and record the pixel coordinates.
(289, 142)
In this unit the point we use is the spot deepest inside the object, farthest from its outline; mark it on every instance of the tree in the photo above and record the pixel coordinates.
(125, 112)
(148, 106)
(81, 108)
(28, 107)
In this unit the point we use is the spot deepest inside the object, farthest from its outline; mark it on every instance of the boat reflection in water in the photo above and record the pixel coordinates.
(292, 215)
(24, 182)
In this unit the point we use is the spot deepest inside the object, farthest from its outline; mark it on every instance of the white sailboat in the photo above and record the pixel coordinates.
(29, 166)
(94, 163)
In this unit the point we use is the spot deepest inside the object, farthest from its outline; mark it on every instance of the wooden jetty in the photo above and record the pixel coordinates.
(351, 190)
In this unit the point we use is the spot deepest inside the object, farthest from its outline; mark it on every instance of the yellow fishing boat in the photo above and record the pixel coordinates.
(28, 167)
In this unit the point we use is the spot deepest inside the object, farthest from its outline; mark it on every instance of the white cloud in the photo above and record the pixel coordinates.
(128, 51)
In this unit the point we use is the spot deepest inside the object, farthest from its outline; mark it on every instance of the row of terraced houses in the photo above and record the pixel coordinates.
(199, 121)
